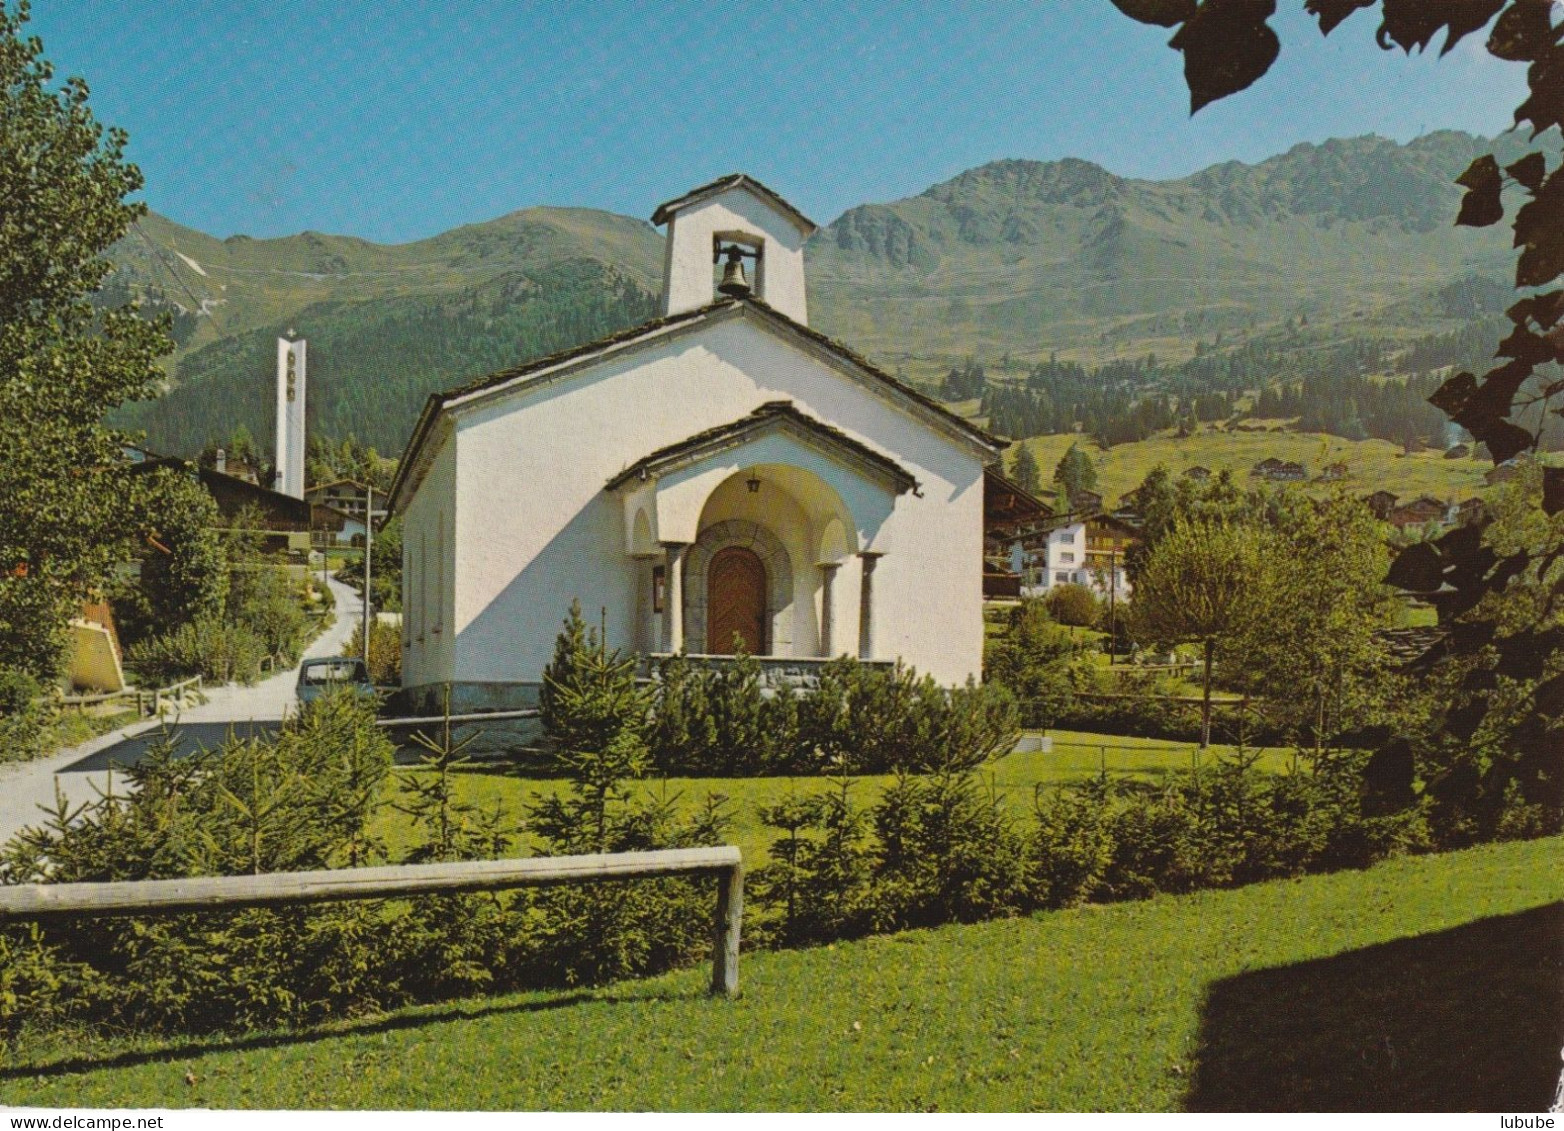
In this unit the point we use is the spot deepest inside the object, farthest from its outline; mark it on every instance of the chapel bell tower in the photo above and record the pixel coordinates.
(734, 238)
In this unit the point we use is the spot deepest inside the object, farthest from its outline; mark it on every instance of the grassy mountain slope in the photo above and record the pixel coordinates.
(373, 362)
(1371, 465)
(1018, 258)
(246, 284)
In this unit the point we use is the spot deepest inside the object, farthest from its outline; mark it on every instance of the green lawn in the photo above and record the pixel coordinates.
(1075, 756)
(1428, 984)
(1371, 464)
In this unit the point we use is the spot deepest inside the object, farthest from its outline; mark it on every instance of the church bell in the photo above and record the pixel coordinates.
(733, 281)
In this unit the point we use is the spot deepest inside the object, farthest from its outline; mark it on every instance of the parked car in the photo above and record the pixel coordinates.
(317, 677)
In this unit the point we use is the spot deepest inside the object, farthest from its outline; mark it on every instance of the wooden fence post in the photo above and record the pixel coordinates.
(725, 932)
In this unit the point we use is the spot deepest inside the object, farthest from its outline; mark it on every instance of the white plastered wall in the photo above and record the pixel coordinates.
(537, 528)
(429, 548)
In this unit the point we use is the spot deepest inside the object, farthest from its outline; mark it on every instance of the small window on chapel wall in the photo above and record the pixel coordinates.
(659, 588)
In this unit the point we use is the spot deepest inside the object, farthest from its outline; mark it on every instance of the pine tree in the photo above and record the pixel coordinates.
(1075, 473)
(596, 717)
(1025, 471)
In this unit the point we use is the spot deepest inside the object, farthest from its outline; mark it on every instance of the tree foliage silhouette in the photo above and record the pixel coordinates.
(1227, 45)
(65, 360)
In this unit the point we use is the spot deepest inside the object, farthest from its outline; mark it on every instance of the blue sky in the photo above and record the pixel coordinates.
(399, 119)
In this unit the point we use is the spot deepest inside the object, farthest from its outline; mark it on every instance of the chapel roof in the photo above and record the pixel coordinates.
(666, 210)
(535, 369)
(769, 416)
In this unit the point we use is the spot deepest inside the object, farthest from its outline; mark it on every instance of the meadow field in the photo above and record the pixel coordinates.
(1432, 983)
(1371, 464)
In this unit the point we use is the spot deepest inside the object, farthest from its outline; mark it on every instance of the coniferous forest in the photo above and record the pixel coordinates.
(371, 366)
(1357, 389)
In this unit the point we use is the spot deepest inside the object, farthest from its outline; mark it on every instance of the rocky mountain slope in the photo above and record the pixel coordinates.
(1018, 258)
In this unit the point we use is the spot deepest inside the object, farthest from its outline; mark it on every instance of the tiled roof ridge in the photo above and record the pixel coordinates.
(437, 401)
(768, 410)
(732, 180)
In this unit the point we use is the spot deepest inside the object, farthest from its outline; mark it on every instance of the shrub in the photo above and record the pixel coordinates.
(716, 720)
(385, 652)
(1073, 846)
(302, 801)
(181, 576)
(1155, 846)
(322, 600)
(24, 715)
(976, 723)
(596, 716)
(1217, 826)
(683, 731)
(266, 604)
(817, 882)
(741, 743)
(39, 987)
(866, 719)
(859, 718)
(1033, 659)
(261, 617)
(948, 852)
(211, 648)
(596, 933)
(19, 691)
(1073, 605)
(1144, 704)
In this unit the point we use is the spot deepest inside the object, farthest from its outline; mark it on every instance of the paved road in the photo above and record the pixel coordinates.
(233, 708)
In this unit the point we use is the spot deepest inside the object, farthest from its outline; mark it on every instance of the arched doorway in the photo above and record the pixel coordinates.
(736, 601)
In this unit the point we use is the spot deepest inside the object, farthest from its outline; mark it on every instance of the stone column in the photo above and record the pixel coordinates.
(866, 606)
(828, 608)
(673, 595)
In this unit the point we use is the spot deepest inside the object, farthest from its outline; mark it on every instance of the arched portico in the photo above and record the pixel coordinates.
(793, 529)
(804, 500)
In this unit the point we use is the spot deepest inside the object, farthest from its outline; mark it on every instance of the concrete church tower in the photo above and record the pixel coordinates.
(734, 212)
(290, 417)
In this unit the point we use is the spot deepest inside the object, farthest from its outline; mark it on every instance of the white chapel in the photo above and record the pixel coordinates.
(721, 476)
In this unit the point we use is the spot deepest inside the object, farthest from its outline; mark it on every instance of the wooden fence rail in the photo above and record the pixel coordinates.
(458, 720)
(210, 893)
(143, 698)
(174, 691)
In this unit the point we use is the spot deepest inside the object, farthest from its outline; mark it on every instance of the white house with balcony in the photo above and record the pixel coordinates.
(721, 477)
(1087, 551)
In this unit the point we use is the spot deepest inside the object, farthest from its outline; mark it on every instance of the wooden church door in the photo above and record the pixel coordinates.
(736, 602)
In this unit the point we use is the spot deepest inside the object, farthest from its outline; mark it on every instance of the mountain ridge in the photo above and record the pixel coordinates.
(1013, 258)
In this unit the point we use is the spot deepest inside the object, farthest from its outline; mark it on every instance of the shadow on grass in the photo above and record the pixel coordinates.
(1469, 1019)
(416, 1018)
